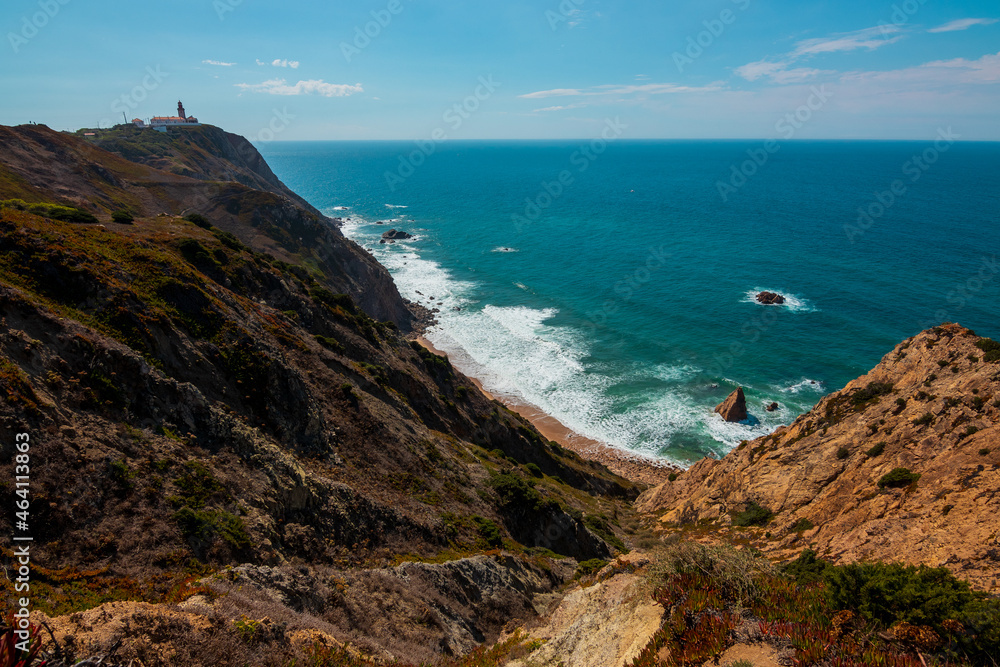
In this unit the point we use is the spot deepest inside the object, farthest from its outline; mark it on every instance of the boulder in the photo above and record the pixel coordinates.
(772, 407)
(734, 408)
(770, 298)
(393, 234)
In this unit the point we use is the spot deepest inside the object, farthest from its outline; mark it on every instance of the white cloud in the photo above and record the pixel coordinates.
(616, 89)
(555, 92)
(869, 38)
(961, 24)
(561, 108)
(780, 70)
(218, 62)
(279, 62)
(311, 87)
(984, 70)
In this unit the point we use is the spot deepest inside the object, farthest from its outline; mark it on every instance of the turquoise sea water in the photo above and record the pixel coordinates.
(620, 299)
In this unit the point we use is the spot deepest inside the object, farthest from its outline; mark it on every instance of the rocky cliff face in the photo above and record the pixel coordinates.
(931, 407)
(197, 405)
(205, 171)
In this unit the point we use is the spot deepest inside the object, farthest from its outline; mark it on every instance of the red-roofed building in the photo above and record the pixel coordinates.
(161, 123)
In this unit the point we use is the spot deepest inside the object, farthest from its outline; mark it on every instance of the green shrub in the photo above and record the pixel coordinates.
(589, 567)
(199, 220)
(489, 531)
(329, 343)
(514, 494)
(898, 477)
(807, 568)
(122, 216)
(325, 296)
(901, 403)
(889, 593)
(924, 419)
(872, 391)
(534, 470)
(753, 515)
(802, 524)
(843, 453)
(672, 477)
(985, 451)
(991, 348)
(51, 211)
(877, 449)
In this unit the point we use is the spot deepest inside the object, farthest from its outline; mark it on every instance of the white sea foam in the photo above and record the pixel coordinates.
(504, 249)
(341, 208)
(794, 303)
(805, 385)
(396, 206)
(520, 354)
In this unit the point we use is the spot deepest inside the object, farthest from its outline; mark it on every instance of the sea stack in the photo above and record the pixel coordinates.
(770, 298)
(734, 408)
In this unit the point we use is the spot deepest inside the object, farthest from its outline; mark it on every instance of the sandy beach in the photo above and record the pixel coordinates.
(630, 466)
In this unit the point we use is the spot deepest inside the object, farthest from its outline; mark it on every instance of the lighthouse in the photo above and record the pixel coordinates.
(180, 110)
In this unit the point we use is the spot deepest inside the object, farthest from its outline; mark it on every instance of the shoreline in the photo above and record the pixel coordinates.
(632, 467)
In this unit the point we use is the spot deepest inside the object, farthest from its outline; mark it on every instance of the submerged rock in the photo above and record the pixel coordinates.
(734, 408)
(772, 407)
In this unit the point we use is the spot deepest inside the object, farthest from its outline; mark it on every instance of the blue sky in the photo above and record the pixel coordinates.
(869, 69)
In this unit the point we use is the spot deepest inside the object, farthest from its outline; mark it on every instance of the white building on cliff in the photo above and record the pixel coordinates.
(161, 123)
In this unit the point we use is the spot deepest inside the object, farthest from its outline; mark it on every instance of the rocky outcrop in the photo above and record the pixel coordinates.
(178, 173)
(394, 235)
(734, 408)
(607, 623)
(770, 298)
(931, 406)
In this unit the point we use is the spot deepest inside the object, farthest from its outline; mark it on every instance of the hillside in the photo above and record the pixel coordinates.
(931, 407)
(243, 197)
(201, 407)
(238, 457)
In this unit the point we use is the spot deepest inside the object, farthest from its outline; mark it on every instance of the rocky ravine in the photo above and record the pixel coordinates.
(932, 406)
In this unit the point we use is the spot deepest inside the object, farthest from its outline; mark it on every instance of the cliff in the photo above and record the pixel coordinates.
(210, 410)
(202, 170)
(931, 407)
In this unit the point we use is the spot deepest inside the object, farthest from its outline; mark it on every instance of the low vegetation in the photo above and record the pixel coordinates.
(862, 615)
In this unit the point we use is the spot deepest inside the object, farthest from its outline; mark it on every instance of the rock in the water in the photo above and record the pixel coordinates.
(734, 408)
(770, 298)
(396, 234)
(772, 407)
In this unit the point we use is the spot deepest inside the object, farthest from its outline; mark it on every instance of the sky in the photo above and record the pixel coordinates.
(513, 69)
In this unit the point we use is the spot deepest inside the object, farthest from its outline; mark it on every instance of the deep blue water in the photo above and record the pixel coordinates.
(617, 304)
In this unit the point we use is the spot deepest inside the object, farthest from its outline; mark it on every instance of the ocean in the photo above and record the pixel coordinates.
(610, 283)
